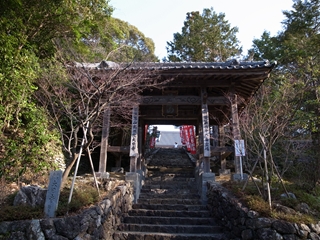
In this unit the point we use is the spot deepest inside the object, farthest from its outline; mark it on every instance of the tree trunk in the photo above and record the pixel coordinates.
(68, 170)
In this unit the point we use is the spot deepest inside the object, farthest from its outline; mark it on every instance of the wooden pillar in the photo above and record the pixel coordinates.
(235, 130)
(221, 144)
(139, 149)
(200, 147)
(134, 140)
(144, 129)
(118, 161)
(104, 141)
(206, 131)
(215, 136)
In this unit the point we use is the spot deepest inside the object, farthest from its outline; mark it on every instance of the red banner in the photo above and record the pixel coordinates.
(152, 142)
(188, 138)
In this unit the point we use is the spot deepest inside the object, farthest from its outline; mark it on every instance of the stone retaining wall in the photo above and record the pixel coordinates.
(242, 223)
(97, 222)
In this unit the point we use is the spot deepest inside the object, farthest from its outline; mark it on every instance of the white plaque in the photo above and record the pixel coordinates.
(239, 148)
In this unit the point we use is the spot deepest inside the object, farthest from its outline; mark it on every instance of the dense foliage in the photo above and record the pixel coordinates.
(294, 87)
(206, 37)
(39, 38)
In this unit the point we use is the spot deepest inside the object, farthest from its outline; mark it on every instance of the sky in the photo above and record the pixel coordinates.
(160, 19)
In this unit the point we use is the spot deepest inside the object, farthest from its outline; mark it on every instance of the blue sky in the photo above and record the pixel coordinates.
(160, 19)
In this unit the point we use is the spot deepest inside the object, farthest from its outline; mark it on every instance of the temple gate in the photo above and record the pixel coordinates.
(207, 95)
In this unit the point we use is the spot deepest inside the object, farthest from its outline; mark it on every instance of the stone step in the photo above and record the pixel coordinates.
(170, 186)
(169, 213)
(169, 220)
(169, 206)
(174, 171)
(169, 201)
(163, 228)
(162, 191)
(169, 178)
(169, 194)
(166, 236)
(178, 207)
(170, 175)
(181, 168)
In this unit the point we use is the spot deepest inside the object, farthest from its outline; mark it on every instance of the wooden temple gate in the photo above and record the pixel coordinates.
(205, 95)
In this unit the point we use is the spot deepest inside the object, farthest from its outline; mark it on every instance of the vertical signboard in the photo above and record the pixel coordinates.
(134, 133)
(206, 130)
(239, 148)
(192, 140)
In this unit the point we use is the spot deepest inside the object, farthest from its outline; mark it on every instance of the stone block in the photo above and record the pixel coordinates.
(117, 169)
(30, 195)
(135, 179)
(237, 177)
(104, 175)
(224, 172)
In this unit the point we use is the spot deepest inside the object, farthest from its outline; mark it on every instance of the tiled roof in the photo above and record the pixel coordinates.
(232, 64)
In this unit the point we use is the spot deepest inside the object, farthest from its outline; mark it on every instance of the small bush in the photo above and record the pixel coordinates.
(289, 202)
(258, 204)
(80, 199)
(14, 213)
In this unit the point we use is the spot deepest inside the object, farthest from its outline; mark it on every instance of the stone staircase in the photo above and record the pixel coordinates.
(169, 206)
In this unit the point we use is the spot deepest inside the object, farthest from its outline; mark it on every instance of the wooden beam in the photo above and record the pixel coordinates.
(119, 149)
(223, 149)
(181, 100)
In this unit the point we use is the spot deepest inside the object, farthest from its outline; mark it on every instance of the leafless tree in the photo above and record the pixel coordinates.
(265, 123)
(76, 95)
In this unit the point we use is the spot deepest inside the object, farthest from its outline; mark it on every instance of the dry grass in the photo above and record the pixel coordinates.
(84, 195)
(250, 195)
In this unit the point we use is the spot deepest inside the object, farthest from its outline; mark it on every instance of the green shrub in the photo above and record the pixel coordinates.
(258, 204)
(14, 213)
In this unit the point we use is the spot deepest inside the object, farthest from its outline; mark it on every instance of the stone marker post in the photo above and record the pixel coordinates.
(53, 193)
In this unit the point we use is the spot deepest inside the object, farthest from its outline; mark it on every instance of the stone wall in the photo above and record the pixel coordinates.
(97, 222)
(240, 222)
